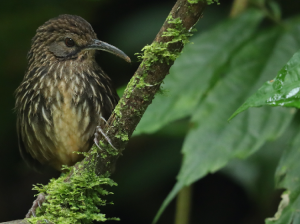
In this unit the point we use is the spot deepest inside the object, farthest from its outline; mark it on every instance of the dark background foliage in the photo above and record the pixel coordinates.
(146, 173)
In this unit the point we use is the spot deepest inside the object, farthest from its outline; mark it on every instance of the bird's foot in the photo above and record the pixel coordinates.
(96, 139)
(36, 203)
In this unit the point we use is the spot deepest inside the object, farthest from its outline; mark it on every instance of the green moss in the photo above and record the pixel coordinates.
(118, 108)
(108, 148)
(142, 82)
(159, 52)
(122, 136)
(179, 33)
(130, 87)
(162, 91)
(103, 155)
(146, 98)
(76, 201)
(209, 2)
(138, 113)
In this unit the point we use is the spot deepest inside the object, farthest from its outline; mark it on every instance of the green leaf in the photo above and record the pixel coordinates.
(287, 173)
(256, 173)
(213, 142)
(287, 176)
(284, 90)
(196, 70)
(275, 9)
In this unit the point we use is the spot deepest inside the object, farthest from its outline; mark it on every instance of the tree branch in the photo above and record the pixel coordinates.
(157, 60)
(144, 85)
(20, 221)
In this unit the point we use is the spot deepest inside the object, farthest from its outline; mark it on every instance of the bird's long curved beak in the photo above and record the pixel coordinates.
(102, 46)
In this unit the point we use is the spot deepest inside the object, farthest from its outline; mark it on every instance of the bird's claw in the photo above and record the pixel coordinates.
(39, 205)
(96, 140)
(36, 203)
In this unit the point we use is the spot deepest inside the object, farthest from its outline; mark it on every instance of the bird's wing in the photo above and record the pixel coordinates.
(30, 161)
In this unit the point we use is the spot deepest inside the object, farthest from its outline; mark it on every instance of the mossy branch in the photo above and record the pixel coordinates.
(157, 59)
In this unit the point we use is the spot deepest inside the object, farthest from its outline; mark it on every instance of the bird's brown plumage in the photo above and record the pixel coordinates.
(63, 94)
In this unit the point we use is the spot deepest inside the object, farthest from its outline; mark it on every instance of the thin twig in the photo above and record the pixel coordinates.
(238, 6)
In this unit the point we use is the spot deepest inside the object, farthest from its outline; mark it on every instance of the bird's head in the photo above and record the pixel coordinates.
(68, 37)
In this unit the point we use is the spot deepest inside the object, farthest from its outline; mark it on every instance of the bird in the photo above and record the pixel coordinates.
(65, 97)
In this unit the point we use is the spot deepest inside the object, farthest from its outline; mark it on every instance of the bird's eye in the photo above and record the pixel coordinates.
(69, 42)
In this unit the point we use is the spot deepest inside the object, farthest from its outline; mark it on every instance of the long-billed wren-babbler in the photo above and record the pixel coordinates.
(64, 95)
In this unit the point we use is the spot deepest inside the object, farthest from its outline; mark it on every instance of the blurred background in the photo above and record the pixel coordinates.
(147, 170)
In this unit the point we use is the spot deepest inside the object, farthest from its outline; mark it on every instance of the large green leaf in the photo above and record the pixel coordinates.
(284, 89)
(196, 70)
(287, 176)
(212, 141)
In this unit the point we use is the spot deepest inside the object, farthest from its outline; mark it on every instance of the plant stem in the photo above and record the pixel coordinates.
(183, 205)
(238, 6)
